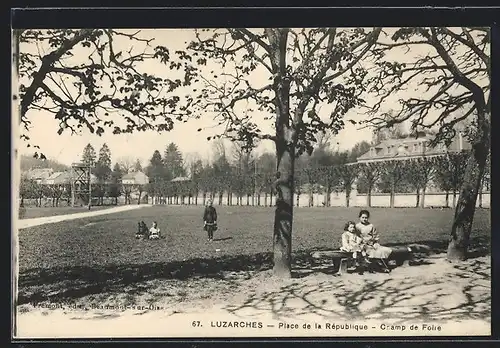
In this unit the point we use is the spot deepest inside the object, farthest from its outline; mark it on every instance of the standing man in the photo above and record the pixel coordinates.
(210, 220)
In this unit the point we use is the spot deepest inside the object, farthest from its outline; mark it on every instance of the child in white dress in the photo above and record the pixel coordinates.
(154, 231)
(352, 241)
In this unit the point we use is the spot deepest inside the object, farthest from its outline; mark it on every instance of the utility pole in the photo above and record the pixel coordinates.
(90, 185)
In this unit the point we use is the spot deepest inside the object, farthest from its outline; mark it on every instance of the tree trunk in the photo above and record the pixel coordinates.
(480, 197)
(422, 200)
(311, 198)
(454, 199)
(265, 199)
(298, 199)
(283, 217)
(369, 197)
(418, 199)
(258, 200)
(466, 205)
(447, 199)
(392, 195)
(347, 197)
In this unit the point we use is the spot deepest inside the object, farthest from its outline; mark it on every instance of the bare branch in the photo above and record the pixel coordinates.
(47, 65)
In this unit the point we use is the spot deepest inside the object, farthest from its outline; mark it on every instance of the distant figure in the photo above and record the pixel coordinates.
(210, 220)
(142, 230)
(154, 231)
(371, 240)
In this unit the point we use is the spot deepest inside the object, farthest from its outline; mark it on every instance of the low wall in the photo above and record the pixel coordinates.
(410, 200)
(401, 200)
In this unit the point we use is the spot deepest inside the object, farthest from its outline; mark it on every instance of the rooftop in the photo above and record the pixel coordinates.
(411, 147)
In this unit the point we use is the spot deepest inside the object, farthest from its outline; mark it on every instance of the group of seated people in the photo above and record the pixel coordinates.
(362, 240)
(144, 233)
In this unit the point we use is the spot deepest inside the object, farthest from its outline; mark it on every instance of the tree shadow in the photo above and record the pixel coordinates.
(70, 283)
(398, 300)
(66, 283)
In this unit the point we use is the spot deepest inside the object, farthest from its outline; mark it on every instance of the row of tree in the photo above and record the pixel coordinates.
(444, 172)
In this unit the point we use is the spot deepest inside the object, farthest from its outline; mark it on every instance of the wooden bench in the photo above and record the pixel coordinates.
(401, 255)
(340, 258)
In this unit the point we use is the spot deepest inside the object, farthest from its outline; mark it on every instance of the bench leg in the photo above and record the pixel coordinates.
(343, 266)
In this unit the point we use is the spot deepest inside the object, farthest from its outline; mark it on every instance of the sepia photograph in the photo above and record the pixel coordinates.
(251, 182)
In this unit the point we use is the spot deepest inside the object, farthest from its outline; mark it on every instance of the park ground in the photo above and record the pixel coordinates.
(73, 276)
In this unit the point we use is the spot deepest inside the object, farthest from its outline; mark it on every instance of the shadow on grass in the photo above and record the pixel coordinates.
(222, 239)
(63, 284)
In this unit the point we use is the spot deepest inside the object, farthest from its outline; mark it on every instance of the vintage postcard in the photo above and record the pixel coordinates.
(273, 182)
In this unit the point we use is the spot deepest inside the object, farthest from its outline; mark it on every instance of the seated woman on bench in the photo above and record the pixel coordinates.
(352, 242)
(370, 240)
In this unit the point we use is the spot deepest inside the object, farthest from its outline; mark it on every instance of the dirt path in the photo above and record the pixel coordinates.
(25, 223)
(433, 299)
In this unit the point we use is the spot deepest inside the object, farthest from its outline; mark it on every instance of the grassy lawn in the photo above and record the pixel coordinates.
(36, 212)
(97, 253)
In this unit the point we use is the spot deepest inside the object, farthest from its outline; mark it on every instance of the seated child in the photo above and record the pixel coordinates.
(154, 231)
(352, 241)
(142, 230)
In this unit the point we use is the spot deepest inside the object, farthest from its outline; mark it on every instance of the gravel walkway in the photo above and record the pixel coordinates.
(25, 223)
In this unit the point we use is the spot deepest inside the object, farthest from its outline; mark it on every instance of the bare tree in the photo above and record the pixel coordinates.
(450, 69)
(126, 164)
(301, 69)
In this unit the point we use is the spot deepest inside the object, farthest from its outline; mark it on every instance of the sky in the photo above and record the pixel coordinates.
(67, 148)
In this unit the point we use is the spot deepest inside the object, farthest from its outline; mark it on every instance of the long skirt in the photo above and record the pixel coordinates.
(381, 252)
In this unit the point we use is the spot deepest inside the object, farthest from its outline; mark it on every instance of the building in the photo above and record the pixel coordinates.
(181, 179)
(39, 175)
(411, 147)
(135, 178)
(58, 178)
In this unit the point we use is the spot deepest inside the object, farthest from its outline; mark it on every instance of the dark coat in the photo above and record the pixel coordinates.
(210, 215)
